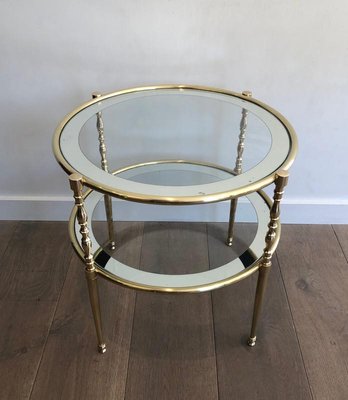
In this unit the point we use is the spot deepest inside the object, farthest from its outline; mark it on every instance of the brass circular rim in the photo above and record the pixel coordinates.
(178, 200)
(160, 289)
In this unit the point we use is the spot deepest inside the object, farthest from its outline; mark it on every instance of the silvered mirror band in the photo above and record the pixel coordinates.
(231, 272)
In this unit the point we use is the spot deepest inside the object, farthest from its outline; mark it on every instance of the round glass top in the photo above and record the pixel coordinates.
(161, 143)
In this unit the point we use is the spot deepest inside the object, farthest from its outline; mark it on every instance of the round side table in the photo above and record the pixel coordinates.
(238, 146)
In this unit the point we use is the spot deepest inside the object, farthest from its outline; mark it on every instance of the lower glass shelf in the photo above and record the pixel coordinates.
(233, 271)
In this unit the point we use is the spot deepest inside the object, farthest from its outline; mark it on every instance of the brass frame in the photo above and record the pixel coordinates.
(84, 250)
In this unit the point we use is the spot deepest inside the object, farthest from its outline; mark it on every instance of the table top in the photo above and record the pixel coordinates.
(175, 144)
(165, 274)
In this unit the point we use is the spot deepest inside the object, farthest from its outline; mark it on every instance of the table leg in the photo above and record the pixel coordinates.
(91, 272)
(238, 167)
(91, 277)
(104, 165)
(109, 218)
(233, 208)
(260, 292)
(266, 264)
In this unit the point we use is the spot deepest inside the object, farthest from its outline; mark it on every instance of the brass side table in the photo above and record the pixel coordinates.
(256, 144)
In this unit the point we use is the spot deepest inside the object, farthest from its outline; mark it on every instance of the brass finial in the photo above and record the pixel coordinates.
(247, 93)
(95, 95)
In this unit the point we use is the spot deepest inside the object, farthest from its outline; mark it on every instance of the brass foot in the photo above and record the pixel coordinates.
(112, 245)
(102, 348)
(252, 341)
(229, 241)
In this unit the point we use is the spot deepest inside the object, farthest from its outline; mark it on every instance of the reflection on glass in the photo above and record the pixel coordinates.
(174, 174)
(183, 236)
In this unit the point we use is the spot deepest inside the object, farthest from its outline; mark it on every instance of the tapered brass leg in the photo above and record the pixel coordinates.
(108, 212)
(233, 208)
(91, 273)
(265, 267)
(260, 292)
(91, 277)
(104, 165)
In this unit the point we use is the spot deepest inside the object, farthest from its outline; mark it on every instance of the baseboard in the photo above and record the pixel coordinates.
(58, 208)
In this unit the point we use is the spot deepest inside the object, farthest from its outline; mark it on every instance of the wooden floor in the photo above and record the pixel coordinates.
(172, 346)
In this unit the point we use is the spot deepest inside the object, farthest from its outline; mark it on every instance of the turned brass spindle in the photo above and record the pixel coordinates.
(266, 263)
(90, 270)
(238, 169)
(242, 131)
(104, 165)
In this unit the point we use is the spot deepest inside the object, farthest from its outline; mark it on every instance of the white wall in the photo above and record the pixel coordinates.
(292, 54)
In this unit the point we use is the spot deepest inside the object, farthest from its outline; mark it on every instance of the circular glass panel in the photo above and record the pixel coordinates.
(177, 127)
(172, 124)
(176, 266)
(175, 248)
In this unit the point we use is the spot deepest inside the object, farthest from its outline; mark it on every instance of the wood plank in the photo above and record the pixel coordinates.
(273, 369)
(35, 263)
(71, 367)
(341, 232)
(7, 229)
(172, 351)
(315, 275)
(26, 313)
(316, 279)
(24, 328)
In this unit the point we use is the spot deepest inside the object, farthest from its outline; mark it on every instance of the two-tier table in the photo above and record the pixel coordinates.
(175, 145)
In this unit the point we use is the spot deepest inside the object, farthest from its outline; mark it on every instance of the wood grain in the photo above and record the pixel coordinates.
(71, 367)
(316, 279)
(273, 369)
(24, 328)
(7, 229)
(172, 351)
(29, 291)
(36, 262)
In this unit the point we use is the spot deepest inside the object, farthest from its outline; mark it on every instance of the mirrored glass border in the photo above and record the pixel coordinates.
(231, 272)
(280, 156)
